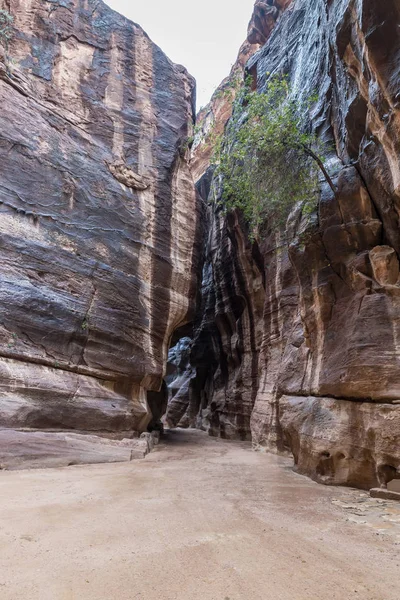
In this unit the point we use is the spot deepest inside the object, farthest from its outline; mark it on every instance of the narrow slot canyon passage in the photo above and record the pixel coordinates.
(200, 519)
(200, 313)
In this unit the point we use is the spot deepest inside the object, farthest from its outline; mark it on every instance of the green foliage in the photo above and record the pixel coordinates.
(264, 159)
(6, 28)
(229, 89)
(196, 129)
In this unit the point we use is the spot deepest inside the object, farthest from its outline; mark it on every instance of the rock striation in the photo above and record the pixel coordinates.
(100, 228)
(299, 333)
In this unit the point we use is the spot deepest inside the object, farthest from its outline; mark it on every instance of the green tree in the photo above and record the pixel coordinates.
(267, 161)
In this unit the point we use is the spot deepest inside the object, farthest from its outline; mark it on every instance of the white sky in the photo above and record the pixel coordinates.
(204, 36)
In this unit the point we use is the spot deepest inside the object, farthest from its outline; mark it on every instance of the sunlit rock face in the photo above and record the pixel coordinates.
(101, 225)
(302, 331)
(263, 21)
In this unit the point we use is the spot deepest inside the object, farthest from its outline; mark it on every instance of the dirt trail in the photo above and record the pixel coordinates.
(198, 519)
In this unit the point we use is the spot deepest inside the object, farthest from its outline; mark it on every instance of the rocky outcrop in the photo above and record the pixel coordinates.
(342, 442)
(100, 227)
(296, 342)
(301, 328)
(43, 449)
(263, 21)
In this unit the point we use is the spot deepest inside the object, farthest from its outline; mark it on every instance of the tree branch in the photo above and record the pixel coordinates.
(319, 162)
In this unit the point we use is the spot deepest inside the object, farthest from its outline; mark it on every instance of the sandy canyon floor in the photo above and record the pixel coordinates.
(198, 519)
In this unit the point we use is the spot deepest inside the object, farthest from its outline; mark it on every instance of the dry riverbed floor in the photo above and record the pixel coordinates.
(198, 519)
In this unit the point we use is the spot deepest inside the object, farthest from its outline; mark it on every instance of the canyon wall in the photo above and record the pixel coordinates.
(297, 345)
(100, 230)
(295, 342)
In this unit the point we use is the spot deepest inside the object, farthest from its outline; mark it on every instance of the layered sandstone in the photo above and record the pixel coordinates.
(100, 226)
(299, 340)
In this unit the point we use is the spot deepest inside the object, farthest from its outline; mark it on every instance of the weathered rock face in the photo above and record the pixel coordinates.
(100, 221)
(263, 21)
(341, 442)
(302, 338)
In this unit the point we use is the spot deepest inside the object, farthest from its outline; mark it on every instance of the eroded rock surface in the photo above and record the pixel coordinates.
(301, 329)
(296, 343)
(100, 221)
